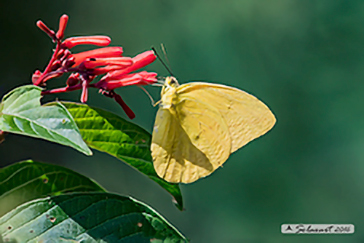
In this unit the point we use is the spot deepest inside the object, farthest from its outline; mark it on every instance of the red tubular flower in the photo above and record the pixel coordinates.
(122, 77)
(139, 61)
(121, 62)
(86, 40)
(141, 78)
(114, 51)
(103, 70)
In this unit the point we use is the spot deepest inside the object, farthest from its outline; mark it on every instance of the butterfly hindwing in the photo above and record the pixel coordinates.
(206, 129)
(189, 142)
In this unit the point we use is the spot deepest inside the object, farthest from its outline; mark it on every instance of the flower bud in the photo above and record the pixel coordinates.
(69, 62)
(55, 65)
(36, 76)
(73, 79)
(45, 29)
(62, 26)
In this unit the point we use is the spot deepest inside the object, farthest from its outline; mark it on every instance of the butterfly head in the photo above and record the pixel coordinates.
(169, 92)
(171, 82)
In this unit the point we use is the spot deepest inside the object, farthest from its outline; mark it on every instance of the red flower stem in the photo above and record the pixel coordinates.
(62, 90)
(84, 94)
(45, 75)
(124, 106)
(47, 69)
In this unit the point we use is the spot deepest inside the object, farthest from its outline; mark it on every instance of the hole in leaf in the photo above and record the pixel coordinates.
(139, 224)
(52, 219)
(44, 179)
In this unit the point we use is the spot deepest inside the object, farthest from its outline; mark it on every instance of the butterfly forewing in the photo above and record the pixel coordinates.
(247, 117)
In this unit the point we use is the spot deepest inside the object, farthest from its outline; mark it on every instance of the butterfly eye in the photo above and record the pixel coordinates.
(172, 81)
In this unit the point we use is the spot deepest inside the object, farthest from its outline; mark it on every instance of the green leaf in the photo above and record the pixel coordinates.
(28, 180)
(86, 217)
(126, 141)
(21, 112)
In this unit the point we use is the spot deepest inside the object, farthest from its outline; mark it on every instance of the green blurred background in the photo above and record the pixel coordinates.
(304, 59)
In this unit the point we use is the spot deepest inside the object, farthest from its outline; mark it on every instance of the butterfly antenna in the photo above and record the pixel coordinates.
(163, 63)
(166, 57)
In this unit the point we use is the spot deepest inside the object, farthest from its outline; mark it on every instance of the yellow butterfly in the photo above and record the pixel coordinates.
(198, 125)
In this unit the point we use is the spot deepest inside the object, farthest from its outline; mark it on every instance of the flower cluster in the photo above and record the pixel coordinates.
(85, 66)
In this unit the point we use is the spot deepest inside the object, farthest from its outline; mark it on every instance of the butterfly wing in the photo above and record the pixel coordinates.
(190, 141)
(247, 117)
